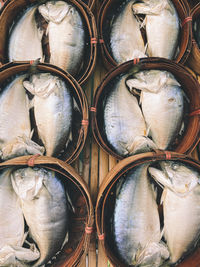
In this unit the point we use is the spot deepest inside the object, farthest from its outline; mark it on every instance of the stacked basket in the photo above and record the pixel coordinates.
(62, 206)
(118, 231)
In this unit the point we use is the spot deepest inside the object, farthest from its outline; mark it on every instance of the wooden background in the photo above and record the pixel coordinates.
(94, 164)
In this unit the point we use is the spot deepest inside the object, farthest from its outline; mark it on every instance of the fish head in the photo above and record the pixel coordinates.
(151, 7)
(54, 11)
(183, 178)
(42, 84)
(27, 182)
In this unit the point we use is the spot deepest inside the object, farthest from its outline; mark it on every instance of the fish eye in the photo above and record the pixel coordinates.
(174, 166)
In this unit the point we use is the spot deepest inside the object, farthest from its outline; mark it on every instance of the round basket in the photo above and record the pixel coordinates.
(194, 58)
(107, 13)
(13, 9)
(79, 116)
(80, 221)
(106, 201)
(188, 83)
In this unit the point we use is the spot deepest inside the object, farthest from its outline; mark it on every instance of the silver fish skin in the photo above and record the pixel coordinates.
(136, 221)
(15, 127)
(162, 27)
(44, 206)
(124, 123)
(14, 112)
(181, 196)
(12, 220)
(66, 35)
(162, 100)
(25, 39)
(126, 39)
(52, 110)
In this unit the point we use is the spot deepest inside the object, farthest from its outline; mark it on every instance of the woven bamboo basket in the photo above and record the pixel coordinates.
(80, 118)
(106, 14)
(190, 85)
(11, 12)
(194, 58)
(80, 221)
(106, 199)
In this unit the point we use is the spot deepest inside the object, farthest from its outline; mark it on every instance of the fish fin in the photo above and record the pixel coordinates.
(141, 144)
(29, 86)
(69, 201)
(75, 105)
(141, 98)
(65, 240)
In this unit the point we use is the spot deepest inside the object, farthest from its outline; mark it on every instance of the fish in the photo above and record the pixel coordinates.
(162, 27)
(52, 104)
(15, 126)
(126, 40)
(25, 39)
(125, 127)
(12, 225)
(44, 205)
(137, 231)
(180, 197)
(66, 35)
(12, 219)
(162, 100)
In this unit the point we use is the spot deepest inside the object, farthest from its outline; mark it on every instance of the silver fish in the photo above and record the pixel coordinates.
(44, 206)
(126, 39)
(52, 110)
(66, 35)
(181, 197)
(136, 221)
(15, 128)
(12, 220)
(162, 27)
(162, 101)
(25, 38)
(124, 123)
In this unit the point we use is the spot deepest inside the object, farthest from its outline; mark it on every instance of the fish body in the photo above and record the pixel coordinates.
(136, 221)
(14, 111)
(25, 39)
(66, 35)
(162, 27)
(124, 123)
(15, 127)
(162, 101)
(44, 206)
(12, 220)
(126, 39)
(181, 208)
(52, 110)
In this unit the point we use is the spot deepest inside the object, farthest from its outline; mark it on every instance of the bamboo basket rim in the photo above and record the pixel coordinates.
(112, 177)
(89, 20)
(185, 30)
(69, 172)
(147, 64)
(80, 94)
